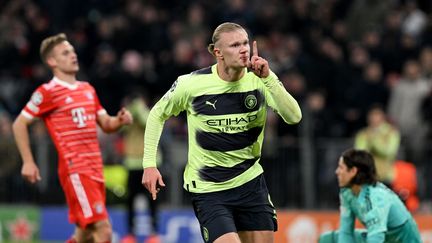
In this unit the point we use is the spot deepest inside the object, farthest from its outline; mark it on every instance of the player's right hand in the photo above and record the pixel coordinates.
(30, 172)
(152, 181)
(125, 117)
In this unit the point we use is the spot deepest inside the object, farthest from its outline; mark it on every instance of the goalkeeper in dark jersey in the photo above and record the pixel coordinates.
(226, 106)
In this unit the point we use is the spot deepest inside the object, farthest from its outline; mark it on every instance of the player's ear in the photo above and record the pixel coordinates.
(50, 61)
(354, 170)
(218, 53)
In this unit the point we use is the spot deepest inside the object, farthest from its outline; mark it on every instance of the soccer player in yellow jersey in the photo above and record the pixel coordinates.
(226, 107)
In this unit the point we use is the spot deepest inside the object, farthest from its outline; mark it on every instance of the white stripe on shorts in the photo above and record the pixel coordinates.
(81, 195)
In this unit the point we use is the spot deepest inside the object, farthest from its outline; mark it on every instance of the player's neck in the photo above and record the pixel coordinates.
(69, 78)
(356, 189)
(229, 74)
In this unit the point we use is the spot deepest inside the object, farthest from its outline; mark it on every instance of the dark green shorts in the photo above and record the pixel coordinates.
(244, 208)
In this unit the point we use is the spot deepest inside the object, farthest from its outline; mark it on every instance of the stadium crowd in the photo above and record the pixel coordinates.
(337, 58)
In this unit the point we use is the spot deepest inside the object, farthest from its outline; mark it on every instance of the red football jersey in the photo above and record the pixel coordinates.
(69, 112)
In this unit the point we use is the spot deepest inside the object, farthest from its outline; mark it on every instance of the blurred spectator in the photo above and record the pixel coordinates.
(426, 62)
(390, 42)
(382, 140)
(9, 159)
(289, 53)
(426, 65)
(344, 86)
(414, 20)
(181, 61)
(133, 154)
(105, 76)
(370, 89)
(426, 36)
(238, 11)
(408, 47)
(196, 19)
(404, 109)
(366, 14)
(371, 40)
(405, 184)
(294, 83)
(12, 90)
(132, 69)
(321, 117)
(340, 34)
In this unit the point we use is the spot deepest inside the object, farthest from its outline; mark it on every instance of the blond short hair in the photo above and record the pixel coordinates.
(49, 43)
(222, 28)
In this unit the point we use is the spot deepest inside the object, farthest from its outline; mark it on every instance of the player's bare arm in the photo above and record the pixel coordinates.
(152, 181)
(29, 170)
(258, 64)
(113, 123)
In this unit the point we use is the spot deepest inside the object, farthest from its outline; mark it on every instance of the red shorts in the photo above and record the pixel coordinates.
(86, 199)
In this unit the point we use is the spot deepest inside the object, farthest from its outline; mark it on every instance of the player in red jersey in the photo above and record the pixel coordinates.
(71, 111)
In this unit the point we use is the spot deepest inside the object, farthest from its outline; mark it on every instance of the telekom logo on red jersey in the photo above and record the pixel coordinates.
(78, 116)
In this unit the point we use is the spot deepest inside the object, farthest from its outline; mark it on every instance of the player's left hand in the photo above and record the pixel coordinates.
(124, 116)
(258, 64)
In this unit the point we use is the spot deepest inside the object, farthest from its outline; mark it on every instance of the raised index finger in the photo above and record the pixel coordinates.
(254, 48)
(153, 190)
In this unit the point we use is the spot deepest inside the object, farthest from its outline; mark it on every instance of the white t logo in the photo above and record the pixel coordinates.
(78, 116)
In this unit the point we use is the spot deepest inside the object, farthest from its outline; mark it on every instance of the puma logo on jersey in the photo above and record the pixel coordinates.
(211, 104)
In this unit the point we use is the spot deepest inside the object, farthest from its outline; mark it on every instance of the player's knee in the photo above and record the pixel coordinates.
(103, 231)
(106, 232)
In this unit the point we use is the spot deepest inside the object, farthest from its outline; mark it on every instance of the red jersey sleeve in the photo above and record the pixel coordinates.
(40, 103)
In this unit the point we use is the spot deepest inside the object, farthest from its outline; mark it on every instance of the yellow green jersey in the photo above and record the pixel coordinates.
(226, 123)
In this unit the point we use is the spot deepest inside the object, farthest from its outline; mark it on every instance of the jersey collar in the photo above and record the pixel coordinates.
(65, 84)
